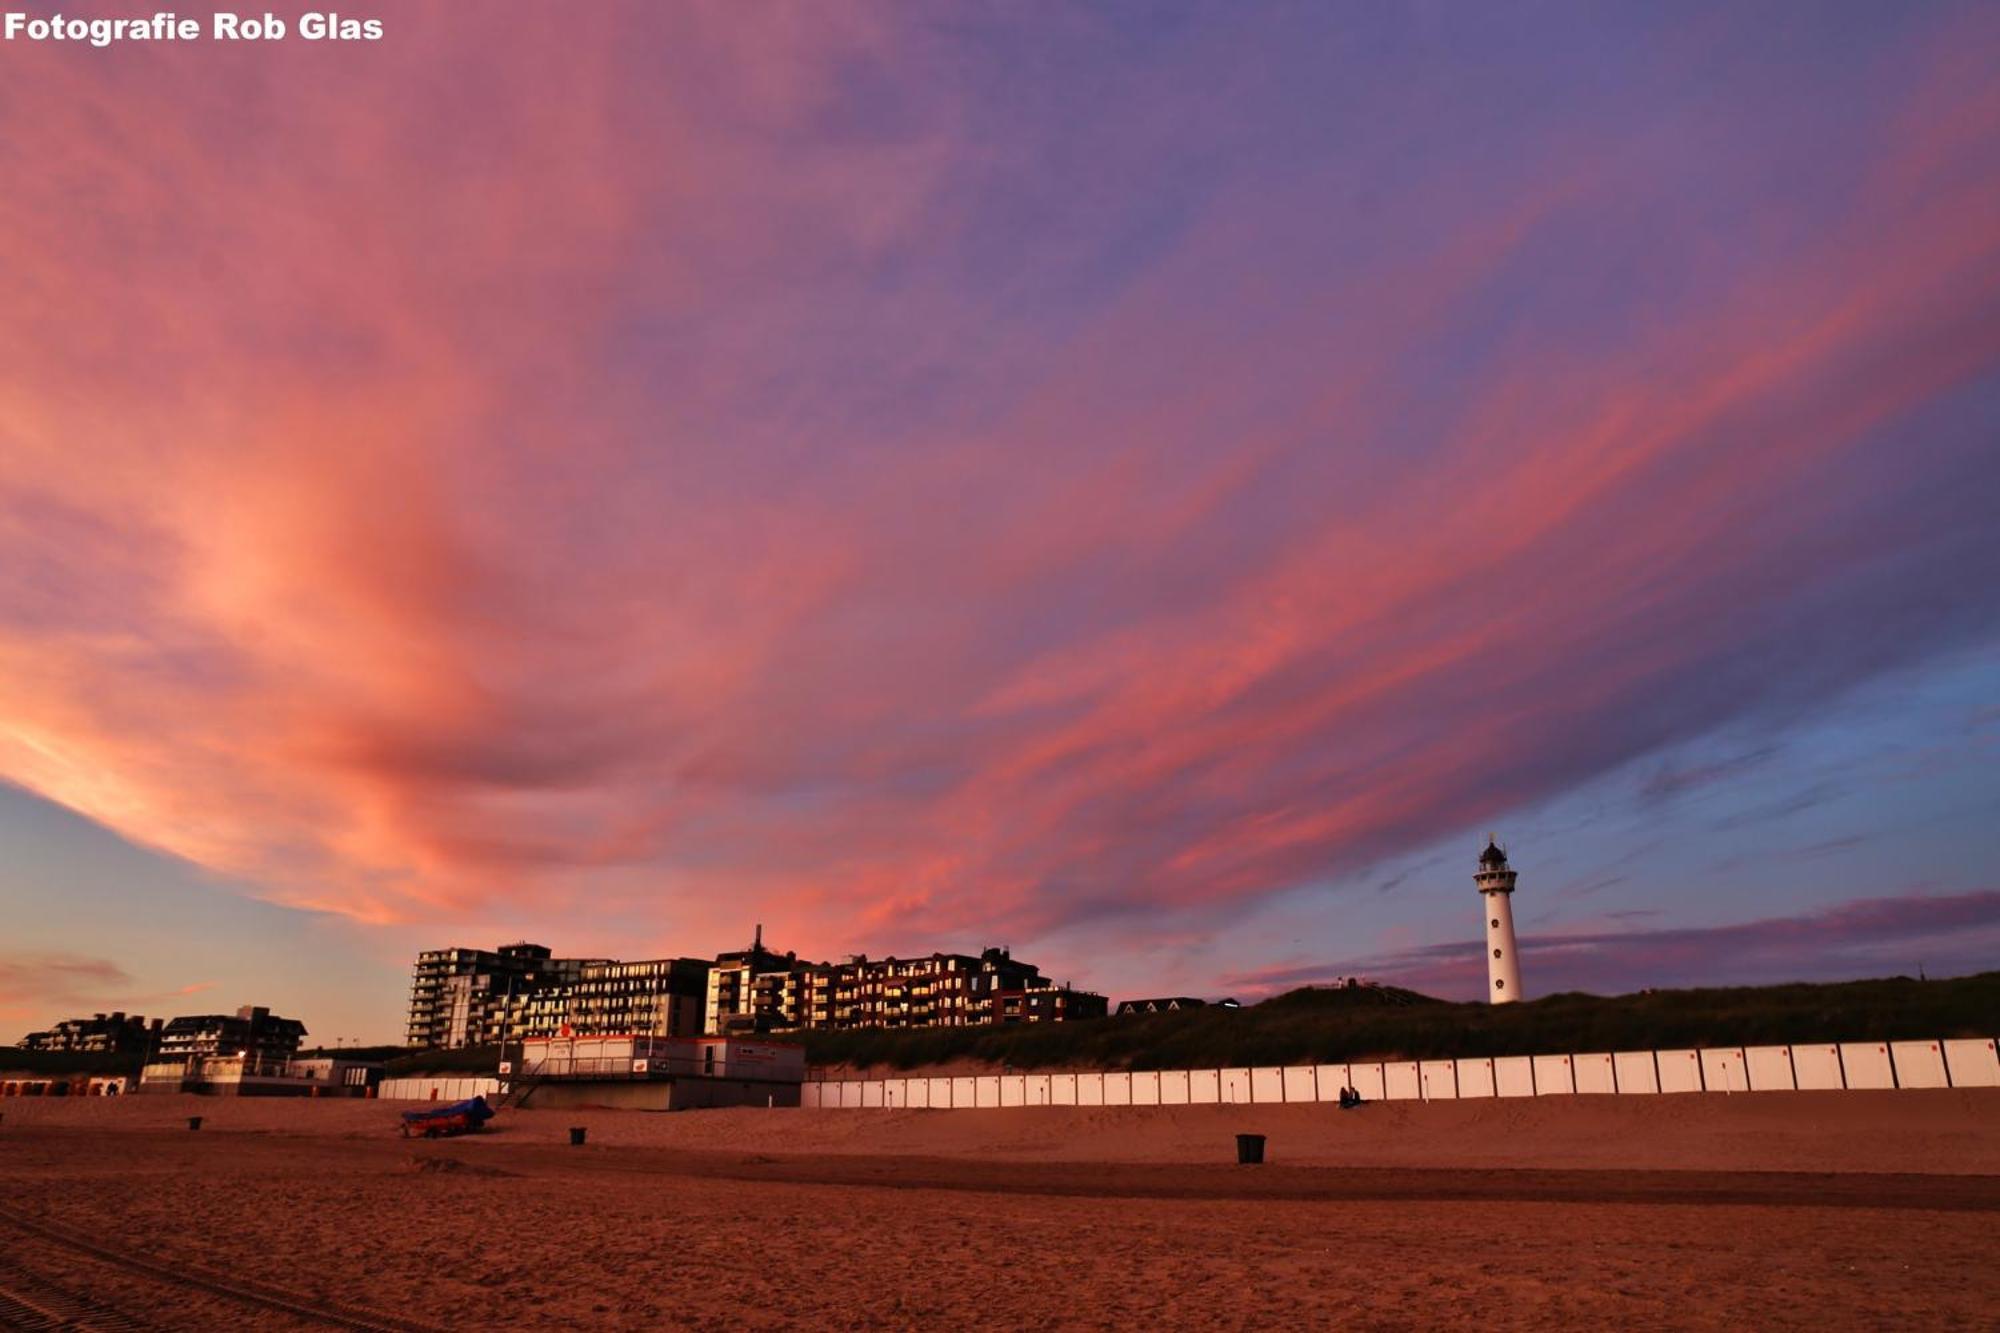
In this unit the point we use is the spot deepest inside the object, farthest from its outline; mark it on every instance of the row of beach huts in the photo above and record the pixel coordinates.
(1958, 1063)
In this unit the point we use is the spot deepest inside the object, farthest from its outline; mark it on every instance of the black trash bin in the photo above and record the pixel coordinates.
(1249, 1149)
(194, 1122)
(576, 1136)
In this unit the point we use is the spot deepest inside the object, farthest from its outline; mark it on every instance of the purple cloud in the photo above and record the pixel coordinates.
(1944, 935)
(32, 983)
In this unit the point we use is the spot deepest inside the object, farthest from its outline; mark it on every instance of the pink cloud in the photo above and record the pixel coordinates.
(42, 986)
(671, 498)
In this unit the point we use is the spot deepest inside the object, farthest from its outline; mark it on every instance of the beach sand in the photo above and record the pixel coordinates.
(1773, 1210)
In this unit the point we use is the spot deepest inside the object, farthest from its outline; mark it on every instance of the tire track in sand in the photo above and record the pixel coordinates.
(39, 1298)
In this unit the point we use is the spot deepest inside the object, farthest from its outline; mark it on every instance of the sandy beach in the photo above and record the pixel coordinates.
(1784, 1210)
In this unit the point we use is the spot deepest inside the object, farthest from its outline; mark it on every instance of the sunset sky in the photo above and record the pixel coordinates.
(1148, 485)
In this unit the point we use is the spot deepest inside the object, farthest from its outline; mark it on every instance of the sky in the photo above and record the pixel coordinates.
(1152, 486)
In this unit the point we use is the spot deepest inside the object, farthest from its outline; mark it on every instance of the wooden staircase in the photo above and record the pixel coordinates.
(519, 1088)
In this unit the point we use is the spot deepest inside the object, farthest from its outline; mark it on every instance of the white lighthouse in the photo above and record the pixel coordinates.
(1496, 888)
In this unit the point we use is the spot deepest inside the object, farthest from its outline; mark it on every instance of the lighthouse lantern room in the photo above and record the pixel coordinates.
(1496, 890)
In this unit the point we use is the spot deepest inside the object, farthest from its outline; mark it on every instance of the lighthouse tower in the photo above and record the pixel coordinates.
(1496, 887)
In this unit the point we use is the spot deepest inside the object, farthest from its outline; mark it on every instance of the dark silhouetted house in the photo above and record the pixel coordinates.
(246, 1053)
(104, 1034)
(1166, 1004)
(251, 1033)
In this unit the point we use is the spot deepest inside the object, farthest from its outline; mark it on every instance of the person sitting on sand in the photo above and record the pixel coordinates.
(1349, 1099)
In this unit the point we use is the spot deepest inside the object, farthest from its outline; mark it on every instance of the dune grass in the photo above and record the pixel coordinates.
(1335, 1025)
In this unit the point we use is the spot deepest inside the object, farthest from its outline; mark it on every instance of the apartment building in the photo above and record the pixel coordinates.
(755, 990)
(941, 990)
(480, 997)
(471, 997)
(660, 997)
